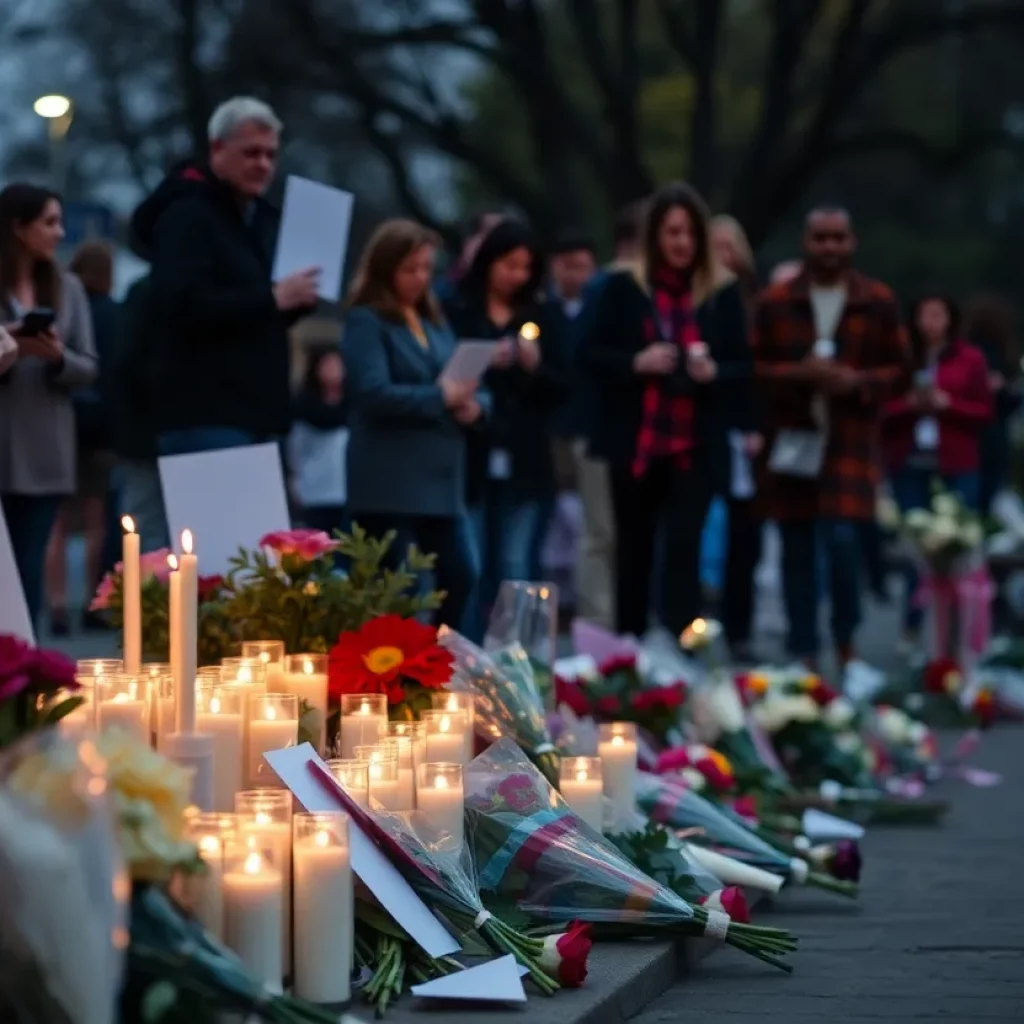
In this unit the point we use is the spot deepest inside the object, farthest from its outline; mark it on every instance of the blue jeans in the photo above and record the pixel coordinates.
(802, 544)
(204, 439)
(912, 488)
(30, 519)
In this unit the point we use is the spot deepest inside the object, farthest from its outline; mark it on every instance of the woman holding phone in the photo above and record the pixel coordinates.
(46, 312)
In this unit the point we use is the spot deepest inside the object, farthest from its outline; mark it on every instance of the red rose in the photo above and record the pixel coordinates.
(16, 661)
(565, 956)
(51, 670)
(210, 588)
(608, 706)
(618, 663)
(572, 695)
(716, 777)
(821, 693)
(517, 791)
(745, 807)
(984, 708)
(942, 676)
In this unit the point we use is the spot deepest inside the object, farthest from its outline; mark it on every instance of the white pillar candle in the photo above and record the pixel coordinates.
(617, 749)
(123, 705)
(324, 908)
(187, 627)
(248, 676)
(306, 677)
(354, 777)
(173, 630)
(412, 750)
(131, 597)
(382, 769)
(459, 702)
(273, 725)
(253, 909)
(89, 672)
(364, 720)
(210, 833)
(445, 736)
(439, 802)
(220, 716)
(160, 689)
(270, 654)
(582, 787)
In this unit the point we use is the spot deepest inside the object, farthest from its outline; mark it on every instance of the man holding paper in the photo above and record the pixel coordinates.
(219, 371)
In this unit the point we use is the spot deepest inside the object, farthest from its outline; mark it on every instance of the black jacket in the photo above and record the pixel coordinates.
(617, 333)
(130, 403)
(523, 405)
(220, 348)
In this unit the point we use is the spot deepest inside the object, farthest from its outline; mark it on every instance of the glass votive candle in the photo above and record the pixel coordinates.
(270, 654)
(123, 703)
(617, 748)
(354, 777)
(205, 894)
(382, 768)
(581, 783)
(219, 713)
(88, 670)
(445, 737)
(466, 703)
(273, 724)
(254, 907)
(364, 720)
(208, 675)
(156, 668)
(324, 913)
(305, 675)
(160, 691)
(439, 802)
(244, 671)
(404, 746)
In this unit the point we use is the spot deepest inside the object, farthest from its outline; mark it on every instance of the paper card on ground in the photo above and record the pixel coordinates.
(600, 643)
(819, 826)
(372, 866)
(498, 981)
(228, 498)
(469, 361)
(315, 222)
(14, 616)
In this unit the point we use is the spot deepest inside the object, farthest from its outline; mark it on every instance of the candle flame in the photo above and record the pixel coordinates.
(209, 844)
(186, 541)
(120, 698)
(322, 838)
(581, 775)
(307, 667)
(699, 626)
(376, 770)
(253, 864)
(172, 561)
(215, 705)
(445, 724)
(364, 708)
(440, 782)
(270, 713)
(530, 331)
(244, 674)
(544, 593)
(453, 702)
(617, 741)
(128, 524)
(262, 818)
(265, 657)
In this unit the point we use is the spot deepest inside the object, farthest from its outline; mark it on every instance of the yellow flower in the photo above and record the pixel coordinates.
(952, 681)
(50, 779)
(757, 684)
(720, 761)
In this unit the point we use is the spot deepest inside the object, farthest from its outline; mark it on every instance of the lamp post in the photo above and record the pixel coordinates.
(57, 111)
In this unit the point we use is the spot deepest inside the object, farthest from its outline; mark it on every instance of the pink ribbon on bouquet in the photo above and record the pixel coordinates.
(975, 591)
(939, 595)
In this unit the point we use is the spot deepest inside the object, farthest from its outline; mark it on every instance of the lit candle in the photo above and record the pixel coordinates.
(210, 833)
(415, 733)
(581, 785)
(248, 677)
(306, 677)
(464, 702)
(353, 777)
(439, 802)
(445, 736)
(188, 620)
(270, 654)
(161, 706)
(173, 630)
(364, 719)
(253, 911)
(219, 715)
(273, 724)
(131, 597)
(265, 824)
(324, 908)
(123, 705)
(617, 749)
(382, 767)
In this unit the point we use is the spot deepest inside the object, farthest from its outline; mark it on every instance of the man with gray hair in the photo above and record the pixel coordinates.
(217, 357)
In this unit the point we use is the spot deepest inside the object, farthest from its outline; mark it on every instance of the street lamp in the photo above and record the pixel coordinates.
(57, 111)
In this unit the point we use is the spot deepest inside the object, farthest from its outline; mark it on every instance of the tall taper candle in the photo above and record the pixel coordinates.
(185, 687)
(173, 632)
(131, 591)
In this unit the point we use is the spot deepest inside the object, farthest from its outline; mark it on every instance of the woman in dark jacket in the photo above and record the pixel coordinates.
(670, 351)
(510, 471)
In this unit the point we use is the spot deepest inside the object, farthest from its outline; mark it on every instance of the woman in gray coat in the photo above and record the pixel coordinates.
(37, 419)
(407, 447)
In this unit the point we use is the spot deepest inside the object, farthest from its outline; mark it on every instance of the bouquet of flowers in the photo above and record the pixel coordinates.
(37, 688)
(525, 617)
(903, 746)
(942, 534)
(700, 767)
(508, 702)
(940, 695)
(536, 855)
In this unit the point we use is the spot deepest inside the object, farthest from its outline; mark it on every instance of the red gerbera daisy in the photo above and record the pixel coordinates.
(385, 655)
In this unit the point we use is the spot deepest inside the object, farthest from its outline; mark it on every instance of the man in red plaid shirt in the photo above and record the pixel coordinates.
(829, 350)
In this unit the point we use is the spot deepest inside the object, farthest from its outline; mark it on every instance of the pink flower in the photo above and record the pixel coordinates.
(673, 760)
(152, 564)
(304, 544)
(517, 792)
(565, 956)
(104, 592)
(52, 670)
(23, 666)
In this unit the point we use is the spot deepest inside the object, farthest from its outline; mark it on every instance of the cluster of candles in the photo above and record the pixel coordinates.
(278, 892)
(601, 791)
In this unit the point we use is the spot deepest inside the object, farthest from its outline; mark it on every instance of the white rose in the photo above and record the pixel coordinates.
(721, 705)
(945, 527)
(893, 725)
(917, 732)
(694, 779)
(918, 520)
(776, 712)
(839, 713)
(847, 742)
(946, 504)
(804, 709)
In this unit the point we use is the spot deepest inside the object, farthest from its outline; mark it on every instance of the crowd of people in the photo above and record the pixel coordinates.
(651, 387)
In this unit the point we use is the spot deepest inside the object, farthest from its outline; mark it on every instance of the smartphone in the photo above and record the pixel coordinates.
(36, 321)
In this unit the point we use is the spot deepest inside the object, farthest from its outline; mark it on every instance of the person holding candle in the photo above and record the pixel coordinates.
(668, 350)
(407, 442)
(511, 483)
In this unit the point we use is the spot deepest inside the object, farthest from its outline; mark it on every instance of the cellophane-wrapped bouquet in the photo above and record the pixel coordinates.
(535, 855)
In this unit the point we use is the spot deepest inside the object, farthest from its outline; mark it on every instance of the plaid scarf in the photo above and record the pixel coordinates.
(667, 421)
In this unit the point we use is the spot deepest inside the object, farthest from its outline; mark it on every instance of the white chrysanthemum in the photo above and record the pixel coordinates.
(947, 505)
(945, 527)
(893, 725)
(776, 712)
(918, 520)
(694, 779)
(839, 713)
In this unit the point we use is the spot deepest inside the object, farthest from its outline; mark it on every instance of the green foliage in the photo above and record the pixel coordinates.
(29, 712)
(653, 853)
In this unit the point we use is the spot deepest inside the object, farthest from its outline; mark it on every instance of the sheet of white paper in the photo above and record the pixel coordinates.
(741, 485)
(315, 222)
(469, 361)
(372, 866)
(819, 826)
(497, 981)
(14, 616)
(228, 499)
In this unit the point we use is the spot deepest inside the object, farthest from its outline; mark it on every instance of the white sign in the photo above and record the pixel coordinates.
(469, 361)
(14, 616)
(315, 222)
(228, 498)
(497, 981)
(372, 866)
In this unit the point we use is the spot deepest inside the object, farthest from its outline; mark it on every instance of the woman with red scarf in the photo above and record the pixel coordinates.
(670, 352)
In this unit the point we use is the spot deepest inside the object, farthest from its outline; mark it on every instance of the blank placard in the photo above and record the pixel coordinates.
(228, 498)
(14, 616)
